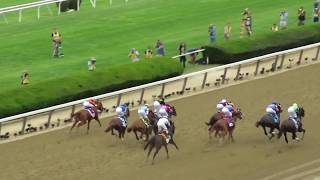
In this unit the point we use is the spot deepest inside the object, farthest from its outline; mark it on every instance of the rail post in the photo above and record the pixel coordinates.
(317, 54)
(141, 96)
(204, 80)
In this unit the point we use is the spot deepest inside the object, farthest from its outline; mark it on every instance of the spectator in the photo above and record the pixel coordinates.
(160, 48)
(316, 14)
(25, 78)
(227, 31)
(248, 26)
(212, 33)
(246, 13)
(283, 19)
(193, 56)
(274, 28)
(56, 42)
(148, 53)
(134, 55)
(182, 50)
(92, 64)
(301, 16)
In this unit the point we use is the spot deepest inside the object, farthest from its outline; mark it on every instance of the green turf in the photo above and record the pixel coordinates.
(109, 32)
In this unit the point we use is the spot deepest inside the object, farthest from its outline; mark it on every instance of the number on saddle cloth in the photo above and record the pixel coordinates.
(91, 111)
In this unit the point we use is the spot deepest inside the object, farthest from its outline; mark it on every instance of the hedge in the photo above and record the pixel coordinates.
(103, 80)
(241, 49)
(70, 4)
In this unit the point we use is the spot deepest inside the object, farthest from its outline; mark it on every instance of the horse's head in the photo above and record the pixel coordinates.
(151, 116)
(237, 114)
(127, 112)
(99, 106)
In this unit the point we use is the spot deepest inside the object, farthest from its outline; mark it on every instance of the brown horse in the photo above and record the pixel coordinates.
(222, 127)
(218, 116)
(157, 142)
(81, 117)
(289, 126)
(116, 124)
(140, 126)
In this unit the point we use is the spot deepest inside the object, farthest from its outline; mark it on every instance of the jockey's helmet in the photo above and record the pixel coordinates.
(223, 101)
(295, 106)
(91, 101)
(291, 109)
(274, 102)
(156, 104)
(220, 106)
(118, 110)
(147, 105)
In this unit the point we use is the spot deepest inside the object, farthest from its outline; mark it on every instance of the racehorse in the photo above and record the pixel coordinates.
(81, 117)
(140, 126)
(289, 126)
(222, 125)
(171, 112)
(157, 141)
(116, 124)
(217, 116)
(268, 121)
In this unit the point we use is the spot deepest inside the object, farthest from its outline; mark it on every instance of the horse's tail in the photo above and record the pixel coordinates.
(208, 124)
(258, 123)
(149, 142)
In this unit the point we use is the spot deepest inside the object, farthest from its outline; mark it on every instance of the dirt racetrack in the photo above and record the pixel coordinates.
(61, 156)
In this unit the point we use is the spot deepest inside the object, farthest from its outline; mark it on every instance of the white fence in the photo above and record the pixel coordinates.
(169, 88)
(38, 5)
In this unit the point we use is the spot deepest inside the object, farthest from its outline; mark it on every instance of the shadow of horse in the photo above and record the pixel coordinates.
(83, 116)
(140, 126)
(115, 124)
(157, 142)
(289, 126)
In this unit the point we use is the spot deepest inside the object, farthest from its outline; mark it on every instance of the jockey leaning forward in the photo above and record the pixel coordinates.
(90, 106)
(274, 110)
(121, 112)
(143, 112)
(164, 125)
(293, 114)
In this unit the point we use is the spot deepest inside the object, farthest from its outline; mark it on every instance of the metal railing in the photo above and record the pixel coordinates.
(176, 86)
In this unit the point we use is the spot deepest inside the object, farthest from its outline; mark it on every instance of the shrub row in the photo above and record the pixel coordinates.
(241, 49)
(103, 80)
(69, 4)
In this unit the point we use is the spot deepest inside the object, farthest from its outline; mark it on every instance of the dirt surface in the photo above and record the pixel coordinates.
(62, 156)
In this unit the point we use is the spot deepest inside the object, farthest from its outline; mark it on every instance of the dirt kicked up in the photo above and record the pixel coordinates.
(59, 155)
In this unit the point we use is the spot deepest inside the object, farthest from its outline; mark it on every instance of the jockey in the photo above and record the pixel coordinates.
(90, 105)
(157, 107)
(143, 112)
(278, 105)
(293, 116)
(272, 109)
(164, 125)
(224, 102)
(121, 112)
(227, 115)
(296, 109)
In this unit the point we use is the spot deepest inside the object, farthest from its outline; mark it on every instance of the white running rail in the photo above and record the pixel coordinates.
(253, 66)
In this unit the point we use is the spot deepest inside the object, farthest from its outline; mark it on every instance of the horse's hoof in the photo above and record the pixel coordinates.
(122, 139)
(273, 132)
(297, 139)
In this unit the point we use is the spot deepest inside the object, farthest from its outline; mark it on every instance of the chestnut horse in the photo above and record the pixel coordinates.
(140, 126)
(81, 117)
(221, 126)
(116, 124)
(289, 126)
(157, 142)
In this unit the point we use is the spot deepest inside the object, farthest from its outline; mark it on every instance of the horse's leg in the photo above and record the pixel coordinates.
(135, 133)
(155, 153)
(231, 135)
(173, 143)
(88, 126)
(98, 122)
(150, 149)
(73, 125)
(294, 136)
(285, 136)
(167, 151)
(265, 131)
(271, 132)
(303, 132)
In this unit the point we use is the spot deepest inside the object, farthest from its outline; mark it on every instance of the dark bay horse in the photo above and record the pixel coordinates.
(157, 142)
(116, 124)
(268, 121)
(140, 126)
(171, 112)
(222, 127)
(289, 126)
(217, 116)
(81, 117)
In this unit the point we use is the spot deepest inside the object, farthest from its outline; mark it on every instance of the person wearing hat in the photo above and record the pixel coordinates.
(143, 112)
(25, 78)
